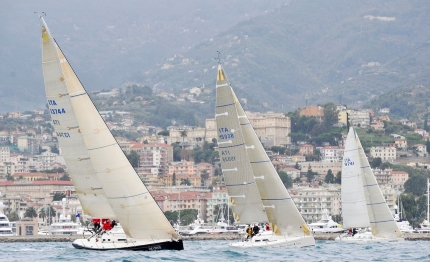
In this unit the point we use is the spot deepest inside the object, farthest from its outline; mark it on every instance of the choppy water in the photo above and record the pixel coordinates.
(215, 251)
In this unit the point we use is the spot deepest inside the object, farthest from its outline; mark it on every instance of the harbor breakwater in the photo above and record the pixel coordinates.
(407, 236)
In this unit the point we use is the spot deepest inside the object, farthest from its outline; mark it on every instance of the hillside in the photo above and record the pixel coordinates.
(314, 51)
(105, 40)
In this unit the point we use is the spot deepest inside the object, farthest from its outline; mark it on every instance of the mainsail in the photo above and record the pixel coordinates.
(130, 200)
(247, 206)
(279, 207)
(354, 209)
(58, 77)
(363, 203)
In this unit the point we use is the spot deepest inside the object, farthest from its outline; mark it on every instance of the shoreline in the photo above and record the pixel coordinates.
(326, 236)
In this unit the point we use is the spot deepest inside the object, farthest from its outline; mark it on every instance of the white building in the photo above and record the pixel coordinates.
(4, 153)
(312, 201)
(332, 153)
(386, 153)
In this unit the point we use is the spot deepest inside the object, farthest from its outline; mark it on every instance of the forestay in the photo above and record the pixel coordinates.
(58, 77)
(247, 206)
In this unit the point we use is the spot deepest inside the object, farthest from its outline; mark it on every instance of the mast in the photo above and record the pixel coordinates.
(428, 201)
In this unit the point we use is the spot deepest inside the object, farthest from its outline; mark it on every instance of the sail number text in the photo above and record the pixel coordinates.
(55, 111)
(63, 134)
(225, 133)
(225, 156)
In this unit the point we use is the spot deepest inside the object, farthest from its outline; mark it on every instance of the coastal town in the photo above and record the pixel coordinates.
(180, 165)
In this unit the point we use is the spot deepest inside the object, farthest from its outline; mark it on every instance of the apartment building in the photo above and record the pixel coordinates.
(332, 153)
(184, 170)
(386, 153)
(154, 158)
(312, 201)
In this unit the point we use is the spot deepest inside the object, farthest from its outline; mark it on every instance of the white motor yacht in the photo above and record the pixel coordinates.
(65, 225)
(326, 225)
(5, 226)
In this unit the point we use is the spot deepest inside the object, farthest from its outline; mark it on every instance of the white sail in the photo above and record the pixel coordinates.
(354, 208)
(241, 149)
(381, 219)
(246, 205)
(282, 213)
(133, 205)
(363, 203)
(57, 78)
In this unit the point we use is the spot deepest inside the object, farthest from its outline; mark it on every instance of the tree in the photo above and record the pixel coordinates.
(30, 212)
(65, 177)
(164, 133)
(310, 175)
(183, 134)
(185, 181)
(58, 196)
(49, 213)
(133, 158)
(330, 115)
(416, 185)
(329, 178)
(204, 175)
(13, 216)
(286, 179)
(376, 162)
(174, 179)
(338, 179)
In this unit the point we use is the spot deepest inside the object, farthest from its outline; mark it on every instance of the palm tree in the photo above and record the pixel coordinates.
(184, 134)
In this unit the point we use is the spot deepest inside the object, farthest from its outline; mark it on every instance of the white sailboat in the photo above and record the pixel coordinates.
(363, 204)
(106, 183)
(256, 192)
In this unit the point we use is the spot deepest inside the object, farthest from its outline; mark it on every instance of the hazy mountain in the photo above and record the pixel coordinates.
(278, 55)
(106, 40)
(314, 50)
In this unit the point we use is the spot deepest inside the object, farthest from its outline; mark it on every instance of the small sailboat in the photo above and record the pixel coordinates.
(106, 183)
(363, 204)
(256, 192)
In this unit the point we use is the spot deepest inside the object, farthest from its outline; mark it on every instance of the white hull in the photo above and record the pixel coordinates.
(265, 240)
(112, 242)
(366, 238)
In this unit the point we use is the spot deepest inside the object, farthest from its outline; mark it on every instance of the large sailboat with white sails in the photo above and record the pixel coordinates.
(256, 192)
(363, 205)
(106, 183)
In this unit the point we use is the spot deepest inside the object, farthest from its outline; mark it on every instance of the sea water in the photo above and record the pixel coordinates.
(214, 251)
